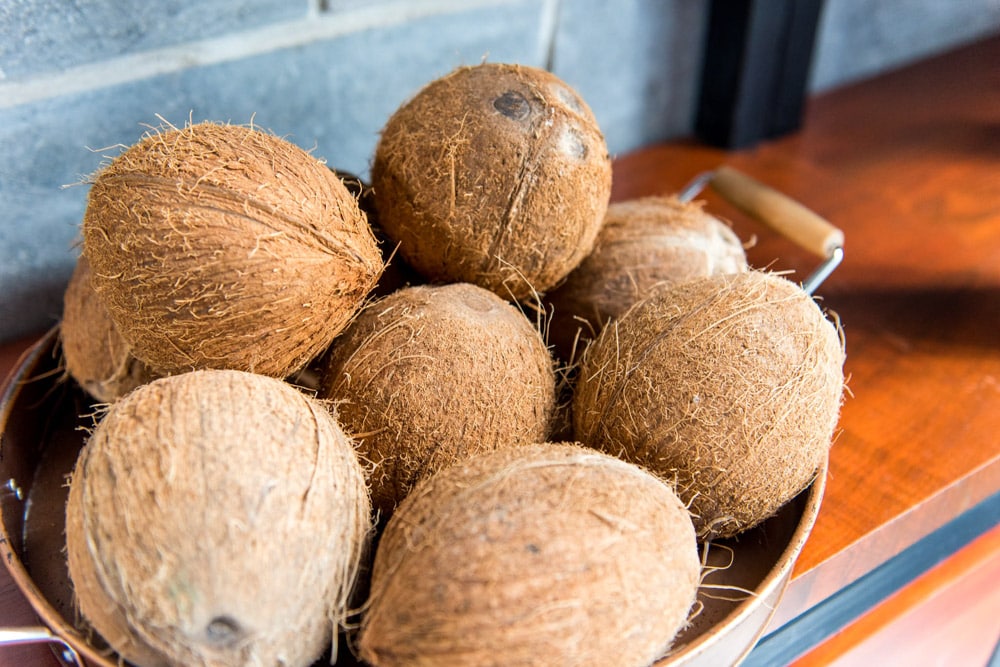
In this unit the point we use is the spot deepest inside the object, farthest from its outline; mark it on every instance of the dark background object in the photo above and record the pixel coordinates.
(755, 69)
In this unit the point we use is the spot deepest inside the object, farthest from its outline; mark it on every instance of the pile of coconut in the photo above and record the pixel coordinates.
(467, 414)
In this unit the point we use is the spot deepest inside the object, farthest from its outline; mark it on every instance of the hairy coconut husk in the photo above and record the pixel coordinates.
(96, 355)
(397, 274)
(729, 387)
(216, 518)
(549, 554)
(643, 243)
(496, 175)
(431, 374)
(221, 246)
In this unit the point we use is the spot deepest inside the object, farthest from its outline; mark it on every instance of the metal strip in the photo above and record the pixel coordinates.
(38, 635)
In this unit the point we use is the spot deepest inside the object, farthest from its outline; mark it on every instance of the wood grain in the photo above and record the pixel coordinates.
(908, 165)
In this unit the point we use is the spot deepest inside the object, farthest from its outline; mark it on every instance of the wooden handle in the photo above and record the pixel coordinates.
(784, 215)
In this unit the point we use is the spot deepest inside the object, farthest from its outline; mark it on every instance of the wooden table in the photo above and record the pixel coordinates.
(908, 165)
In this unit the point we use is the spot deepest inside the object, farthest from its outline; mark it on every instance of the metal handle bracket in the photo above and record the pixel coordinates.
(778, 211)
(38, 635)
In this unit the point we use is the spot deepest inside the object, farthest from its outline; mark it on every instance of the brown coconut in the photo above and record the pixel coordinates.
(549, 554)
(397, 273)
(643, 242)
(216, 518)
(431, 374)
(222, 246)
(497, 175)
(96, 355)
(728, 386)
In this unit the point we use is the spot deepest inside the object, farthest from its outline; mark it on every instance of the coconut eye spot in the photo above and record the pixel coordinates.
(568, 98)
(572, 145)
(478, 303)
(223, 631)
(513, 105)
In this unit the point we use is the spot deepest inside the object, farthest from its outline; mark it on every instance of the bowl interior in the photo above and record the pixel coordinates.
(44, 418)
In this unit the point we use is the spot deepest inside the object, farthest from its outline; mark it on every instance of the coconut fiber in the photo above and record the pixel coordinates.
(549, 554)
(431, 374)
(216, 517)
(497, 175)
(223, 246)
(729, 387)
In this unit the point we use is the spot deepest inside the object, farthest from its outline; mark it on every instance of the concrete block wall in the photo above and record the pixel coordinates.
(858, 39)
(79, 79)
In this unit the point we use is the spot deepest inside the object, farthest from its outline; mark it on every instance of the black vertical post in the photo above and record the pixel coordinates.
(755, 69)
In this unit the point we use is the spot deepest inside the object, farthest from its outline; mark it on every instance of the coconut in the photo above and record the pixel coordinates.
(729, 387)
(643, 242)
(397, 273)
(216, 517)
(431, 374)
(549, 554)
(496, 175)
(221, 246)
(96, 355)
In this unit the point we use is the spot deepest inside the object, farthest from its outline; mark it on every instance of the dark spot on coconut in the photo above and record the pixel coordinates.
(223, 631)
(513, 105)
(533, 548)
(487, 213)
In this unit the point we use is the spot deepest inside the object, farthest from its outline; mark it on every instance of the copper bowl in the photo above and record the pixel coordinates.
(42, 420)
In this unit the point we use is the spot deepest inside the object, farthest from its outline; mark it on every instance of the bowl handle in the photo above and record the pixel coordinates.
(779, 212)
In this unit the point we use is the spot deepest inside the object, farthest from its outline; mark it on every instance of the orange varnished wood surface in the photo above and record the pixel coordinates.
(908, 165)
